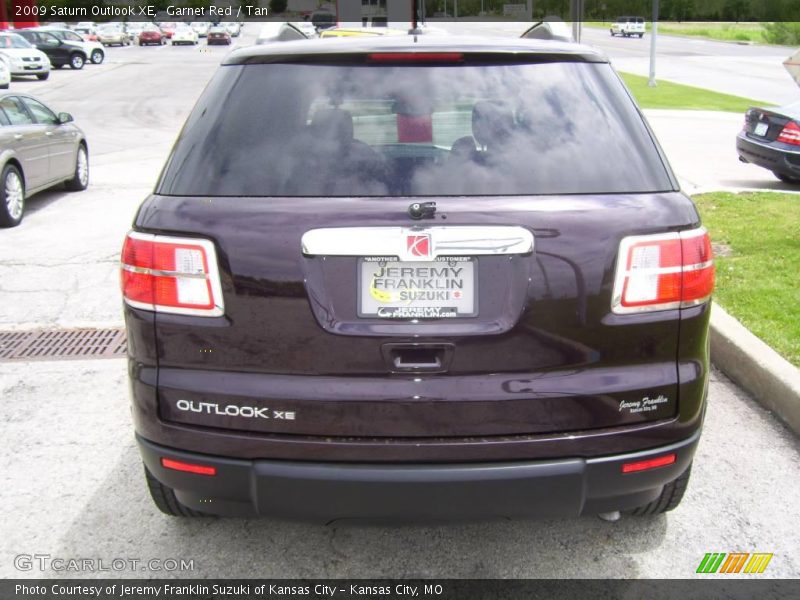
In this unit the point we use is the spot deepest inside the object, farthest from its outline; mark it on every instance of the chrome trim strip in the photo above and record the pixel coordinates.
(392, 241)
(161, 273)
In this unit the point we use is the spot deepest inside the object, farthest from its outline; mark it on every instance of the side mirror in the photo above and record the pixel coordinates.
(64, 118)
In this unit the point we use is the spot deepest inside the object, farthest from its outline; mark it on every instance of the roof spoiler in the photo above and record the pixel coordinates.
(552, 28)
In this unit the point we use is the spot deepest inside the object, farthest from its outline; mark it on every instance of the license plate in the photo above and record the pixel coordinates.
(761, 129)
(441, 289)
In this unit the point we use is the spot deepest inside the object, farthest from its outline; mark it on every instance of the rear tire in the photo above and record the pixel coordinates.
(80, 179)
(43, 76)
(165, 500)
(670, 497)
(12, 197)
(786, 178)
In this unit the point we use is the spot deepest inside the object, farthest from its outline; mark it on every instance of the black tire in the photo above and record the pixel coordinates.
(641, 35)
(76, 61)
(97, 57)
(670, 497)
(786, 178)
(43, 76)
(11, 216)
(165, 500)
(141, 43)
(612, 32)
(80, 179)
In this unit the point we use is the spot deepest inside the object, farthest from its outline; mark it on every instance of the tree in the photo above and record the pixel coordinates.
(277, 6)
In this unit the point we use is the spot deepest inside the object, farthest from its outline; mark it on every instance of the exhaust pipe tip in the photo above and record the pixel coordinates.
(610, 516)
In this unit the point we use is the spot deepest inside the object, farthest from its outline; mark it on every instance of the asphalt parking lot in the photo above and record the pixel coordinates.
(73, 485)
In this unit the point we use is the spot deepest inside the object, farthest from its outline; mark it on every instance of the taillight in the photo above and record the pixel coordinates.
(790, 134)
(663, 271)
(171, 275)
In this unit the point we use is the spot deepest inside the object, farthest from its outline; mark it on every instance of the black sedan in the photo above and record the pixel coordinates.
(771, 139)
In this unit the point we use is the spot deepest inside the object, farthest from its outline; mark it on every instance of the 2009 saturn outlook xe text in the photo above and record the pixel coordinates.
(420, 278)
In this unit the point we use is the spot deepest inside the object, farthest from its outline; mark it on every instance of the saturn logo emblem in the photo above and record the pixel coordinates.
(419, 245)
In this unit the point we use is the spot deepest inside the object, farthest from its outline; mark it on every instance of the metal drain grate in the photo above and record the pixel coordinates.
(62, 344)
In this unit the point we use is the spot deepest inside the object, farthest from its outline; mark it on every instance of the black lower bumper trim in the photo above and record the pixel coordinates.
(325, 492)
(768, 157)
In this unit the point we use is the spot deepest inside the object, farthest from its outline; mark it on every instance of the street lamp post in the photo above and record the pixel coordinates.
(653, 34)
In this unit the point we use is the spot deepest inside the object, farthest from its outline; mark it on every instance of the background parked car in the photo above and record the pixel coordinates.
(38, 149)
(134, 29)
(333, 32)
(152, 35)
(234, 28)
(771, 139)
(307, 27)
(5, 74)
(94, 50)
(168, 27)
(58, 51)
(201, 28)
(22, 57)
(218, 35)
(183, 34)
(87, 33)
(279, 32)
(113, 34)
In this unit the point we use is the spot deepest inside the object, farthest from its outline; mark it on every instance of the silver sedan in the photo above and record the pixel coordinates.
(38, 149)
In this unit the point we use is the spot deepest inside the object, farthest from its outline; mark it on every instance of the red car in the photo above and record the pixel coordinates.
(218, 35)
(152, 35)
(168, 29)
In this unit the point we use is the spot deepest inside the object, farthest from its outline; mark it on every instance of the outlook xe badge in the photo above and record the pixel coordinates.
(419, 246)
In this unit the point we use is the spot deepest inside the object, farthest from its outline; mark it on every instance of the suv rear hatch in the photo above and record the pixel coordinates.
(339, 314)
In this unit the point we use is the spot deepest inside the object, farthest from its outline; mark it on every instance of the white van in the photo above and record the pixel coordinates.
(628, 26)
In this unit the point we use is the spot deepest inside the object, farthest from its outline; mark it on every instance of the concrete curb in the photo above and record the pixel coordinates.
(756, 367)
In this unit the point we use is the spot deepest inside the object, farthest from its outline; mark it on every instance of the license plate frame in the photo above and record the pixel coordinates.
(434, 310)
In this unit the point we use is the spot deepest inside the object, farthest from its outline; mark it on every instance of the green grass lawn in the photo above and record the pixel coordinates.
(675, 95)
(759, 282)
(729, 32)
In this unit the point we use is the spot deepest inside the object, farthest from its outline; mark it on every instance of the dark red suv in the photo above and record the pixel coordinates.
(417, 277)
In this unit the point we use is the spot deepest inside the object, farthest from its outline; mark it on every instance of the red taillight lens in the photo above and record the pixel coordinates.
(416, 57)
(172, 275)
(790, 134)
(652, 463)
(665, 271)
(177, 465)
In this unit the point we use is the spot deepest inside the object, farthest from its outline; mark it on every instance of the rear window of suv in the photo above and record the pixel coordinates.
(354, 130)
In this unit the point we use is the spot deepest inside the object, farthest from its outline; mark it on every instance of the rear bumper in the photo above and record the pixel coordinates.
(768, 156)
(324, 492)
